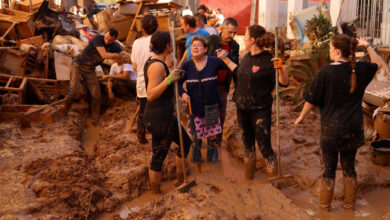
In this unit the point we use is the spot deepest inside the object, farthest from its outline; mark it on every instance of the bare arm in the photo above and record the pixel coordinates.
(306, 109)
(156, 85)
(371, 52)
(223, 55)
(104, 54)
(183, 59)
(122, 75)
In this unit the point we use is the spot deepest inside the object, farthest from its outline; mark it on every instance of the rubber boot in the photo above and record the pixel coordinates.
(350, 185)
(271, 166)
(326, 193)
(155, 181)
(179, 171)
(212, 150)
(250, 165)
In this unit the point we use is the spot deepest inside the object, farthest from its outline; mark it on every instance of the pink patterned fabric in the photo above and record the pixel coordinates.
(205, 131)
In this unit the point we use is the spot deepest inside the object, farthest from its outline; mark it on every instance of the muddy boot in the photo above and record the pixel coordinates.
(212, 150)
(271, 166)
(155, 181)
(326, 193)
(250, 165)
(350, 185)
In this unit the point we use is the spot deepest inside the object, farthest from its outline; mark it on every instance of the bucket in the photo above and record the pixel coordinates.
(380, 152)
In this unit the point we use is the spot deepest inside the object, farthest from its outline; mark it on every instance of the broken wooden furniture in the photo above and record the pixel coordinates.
(18, 24)
(28, 5)
(47, 115)
(17, 84)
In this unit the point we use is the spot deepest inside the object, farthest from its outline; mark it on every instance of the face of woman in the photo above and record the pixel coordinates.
(248, 40)
(198, 49)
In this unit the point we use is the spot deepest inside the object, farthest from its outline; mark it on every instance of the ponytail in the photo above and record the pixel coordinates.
(352, 80)
(347, 45)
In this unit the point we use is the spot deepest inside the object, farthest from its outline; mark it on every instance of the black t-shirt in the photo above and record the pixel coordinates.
(255, 81)
(90, 57)
(330, 91)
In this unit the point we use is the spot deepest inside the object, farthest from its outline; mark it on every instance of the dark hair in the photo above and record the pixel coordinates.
(347, 45)
(201, 16)
(203, 7)
(113, 32)
(190, 20)
(159, 41)
(230, 20)
(149, 24)
(202, 39)
(219, 10)
(261, 36)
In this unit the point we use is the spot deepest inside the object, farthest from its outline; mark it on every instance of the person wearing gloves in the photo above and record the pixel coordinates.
(338, 90)
(202, 91)
(159, 109)
(254, 78)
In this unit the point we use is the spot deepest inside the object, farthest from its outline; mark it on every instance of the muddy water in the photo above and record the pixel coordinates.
(372, 205)
(90, 137)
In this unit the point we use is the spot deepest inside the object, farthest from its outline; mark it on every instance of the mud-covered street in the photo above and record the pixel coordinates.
(52, 171)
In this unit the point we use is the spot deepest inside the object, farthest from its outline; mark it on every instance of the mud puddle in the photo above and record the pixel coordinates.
(90, 138)
(372, 205)
(227, 166)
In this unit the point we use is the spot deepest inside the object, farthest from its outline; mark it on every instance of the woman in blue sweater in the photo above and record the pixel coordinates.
(201, 81)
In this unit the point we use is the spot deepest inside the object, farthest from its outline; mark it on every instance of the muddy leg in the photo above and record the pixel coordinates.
(94, 90)
(261, 121)
(347, 159)
(141, 128)
(330, 159)
(74, 89)
(250, 164)
(222, 111)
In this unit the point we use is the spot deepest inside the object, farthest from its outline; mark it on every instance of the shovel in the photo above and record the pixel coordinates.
(186, 185)
(196, 153)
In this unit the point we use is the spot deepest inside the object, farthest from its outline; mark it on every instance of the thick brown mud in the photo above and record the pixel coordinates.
(72, 169)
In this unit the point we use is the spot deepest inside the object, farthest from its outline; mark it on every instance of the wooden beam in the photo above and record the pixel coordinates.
(30, 78)
(7, 32)
(9, 82)
(131, 30)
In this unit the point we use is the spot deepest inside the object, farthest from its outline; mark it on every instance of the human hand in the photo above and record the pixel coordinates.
(277, 63)
(174, 76)
(221, 54)
(185, 99)
(104, 77)
(297, 121)
(362, 42)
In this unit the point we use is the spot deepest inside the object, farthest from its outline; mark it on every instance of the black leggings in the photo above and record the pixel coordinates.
(161, 142)
(347, 160)
(256, 124)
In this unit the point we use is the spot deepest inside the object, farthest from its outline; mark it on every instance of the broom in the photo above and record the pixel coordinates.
(196, 153)
(280, 181)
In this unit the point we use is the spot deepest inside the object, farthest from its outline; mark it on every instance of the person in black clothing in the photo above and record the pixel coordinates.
(338, 90)
(255, 81)
(159, 117)
(101, 47)
(224, 41)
